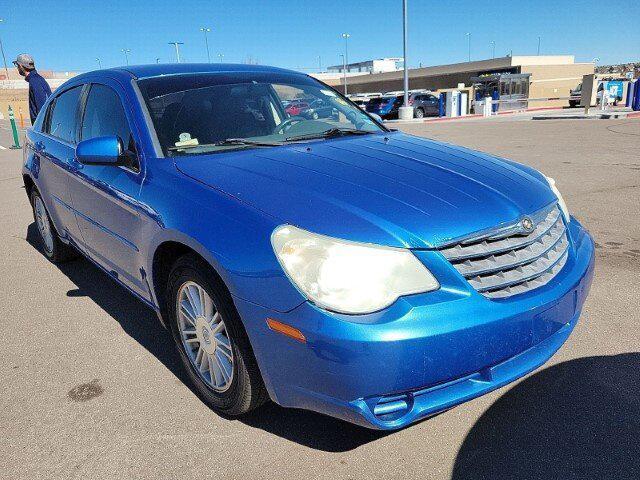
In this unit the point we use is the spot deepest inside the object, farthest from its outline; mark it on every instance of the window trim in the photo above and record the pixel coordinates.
(83, 106)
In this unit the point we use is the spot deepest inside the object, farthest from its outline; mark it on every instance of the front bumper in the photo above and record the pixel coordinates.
(424, 354)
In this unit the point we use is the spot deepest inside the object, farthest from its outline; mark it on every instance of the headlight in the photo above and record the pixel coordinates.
(348, 277)
(561, 202)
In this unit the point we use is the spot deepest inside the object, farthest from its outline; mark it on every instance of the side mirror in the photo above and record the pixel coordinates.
(100, 151)
(377, 117)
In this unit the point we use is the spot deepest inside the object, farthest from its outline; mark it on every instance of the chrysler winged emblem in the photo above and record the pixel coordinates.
(527, 224)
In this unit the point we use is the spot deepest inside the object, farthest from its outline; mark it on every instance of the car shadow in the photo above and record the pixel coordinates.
(579, 419)
(140, 322)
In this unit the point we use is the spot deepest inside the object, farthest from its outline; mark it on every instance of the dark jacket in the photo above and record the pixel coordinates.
(39, 91)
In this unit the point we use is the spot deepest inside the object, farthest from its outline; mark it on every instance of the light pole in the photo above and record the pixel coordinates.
(469, 44)
(157, 59)
(344, 72)
(206, 30)
(346, 58)
(221, 56)
(99, 63)
(4, 59)
(177, 45)
(405, 112)
(539, 39)
(319, 64)
(126, 52)
(493, 49)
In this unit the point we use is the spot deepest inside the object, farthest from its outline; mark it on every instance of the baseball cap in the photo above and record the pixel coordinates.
(25, 60)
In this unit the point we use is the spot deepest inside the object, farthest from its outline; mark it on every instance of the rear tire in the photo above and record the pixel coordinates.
(239, 390)
(419, 113)
(54, 248)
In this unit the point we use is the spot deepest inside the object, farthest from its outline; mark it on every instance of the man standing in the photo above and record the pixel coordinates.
(39, 89)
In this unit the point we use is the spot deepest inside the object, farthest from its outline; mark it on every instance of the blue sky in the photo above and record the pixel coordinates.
(71, 34)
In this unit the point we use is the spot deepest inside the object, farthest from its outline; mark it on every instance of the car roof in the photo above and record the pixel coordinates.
(157, 70)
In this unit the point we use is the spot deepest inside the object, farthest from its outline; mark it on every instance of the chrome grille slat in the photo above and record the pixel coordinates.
(485, 246)
(514, 263)
(512, 258)
(529, 271)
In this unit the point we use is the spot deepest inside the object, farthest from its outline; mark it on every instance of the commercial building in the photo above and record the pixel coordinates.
(535, 77)
(379, 65)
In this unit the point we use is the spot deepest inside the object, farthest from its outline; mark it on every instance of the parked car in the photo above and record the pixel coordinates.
(386, 107)
(424, 105)
(340, 267)
(576, 92)
(295, 107)
(360, 101)
(320, 108)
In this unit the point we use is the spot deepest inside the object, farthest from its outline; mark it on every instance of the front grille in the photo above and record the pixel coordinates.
(508, 261)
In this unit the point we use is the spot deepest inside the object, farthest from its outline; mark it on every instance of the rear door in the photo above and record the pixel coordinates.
(54, 149)
(105, 196)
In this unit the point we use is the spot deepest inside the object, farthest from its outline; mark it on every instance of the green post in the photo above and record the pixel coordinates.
(14, 130)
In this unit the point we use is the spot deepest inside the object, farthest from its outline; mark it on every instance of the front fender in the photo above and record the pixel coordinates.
(233, 237)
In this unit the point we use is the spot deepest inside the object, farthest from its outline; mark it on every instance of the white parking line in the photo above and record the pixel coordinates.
(2, 148)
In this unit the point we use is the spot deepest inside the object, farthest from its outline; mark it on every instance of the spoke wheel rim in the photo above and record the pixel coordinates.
(204, 337)
(44, 227)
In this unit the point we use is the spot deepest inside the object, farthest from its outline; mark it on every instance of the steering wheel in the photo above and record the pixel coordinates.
(288, 123)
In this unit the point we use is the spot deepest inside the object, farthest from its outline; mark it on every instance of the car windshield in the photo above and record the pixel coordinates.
(216, 112)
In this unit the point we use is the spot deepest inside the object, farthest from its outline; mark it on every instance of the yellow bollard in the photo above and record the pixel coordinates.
(21, 118)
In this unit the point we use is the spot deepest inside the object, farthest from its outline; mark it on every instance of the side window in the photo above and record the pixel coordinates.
(62, 118)
(104, 116)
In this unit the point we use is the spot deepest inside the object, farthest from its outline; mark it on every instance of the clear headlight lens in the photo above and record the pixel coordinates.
(348, 277)
(561, 202)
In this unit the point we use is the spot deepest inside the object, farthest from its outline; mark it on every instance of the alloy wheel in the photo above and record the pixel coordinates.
(42, 221)
(204, 336)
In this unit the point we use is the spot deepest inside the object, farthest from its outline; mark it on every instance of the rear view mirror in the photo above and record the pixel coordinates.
(100, 151)
(376, 117)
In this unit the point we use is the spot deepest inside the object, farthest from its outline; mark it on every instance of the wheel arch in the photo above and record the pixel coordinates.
(163, 257)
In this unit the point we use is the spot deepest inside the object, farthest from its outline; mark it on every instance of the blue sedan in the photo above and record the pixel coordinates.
(327, 264)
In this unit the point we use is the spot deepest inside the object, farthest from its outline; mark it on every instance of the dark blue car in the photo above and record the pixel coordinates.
(327, 264)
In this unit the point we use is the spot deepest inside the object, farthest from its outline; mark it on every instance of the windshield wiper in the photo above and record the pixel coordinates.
(246, 141)
(331, 133)
(229, 141)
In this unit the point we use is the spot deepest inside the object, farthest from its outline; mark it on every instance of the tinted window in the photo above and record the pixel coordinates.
(104, 115)
(62, 116)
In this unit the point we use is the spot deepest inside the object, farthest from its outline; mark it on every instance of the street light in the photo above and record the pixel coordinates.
(493, 49)
(539, 39)
(126, 52)
(221, 56)
(177, 45)
(99, 63)
(157, 59)
(206, 30)
(346, 58)
(469, 42)
(405, 112)
(4, 59)
(344, 69)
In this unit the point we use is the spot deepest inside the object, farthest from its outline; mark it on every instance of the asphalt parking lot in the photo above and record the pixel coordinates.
(90, 386)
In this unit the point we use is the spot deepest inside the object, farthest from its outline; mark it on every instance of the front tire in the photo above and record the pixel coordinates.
(419, 113)
(211, 339)
(54, 248)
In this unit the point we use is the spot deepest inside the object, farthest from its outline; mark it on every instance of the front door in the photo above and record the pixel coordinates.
(105, 196)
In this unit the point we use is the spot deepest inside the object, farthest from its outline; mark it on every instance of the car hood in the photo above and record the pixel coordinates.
(389, 189)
